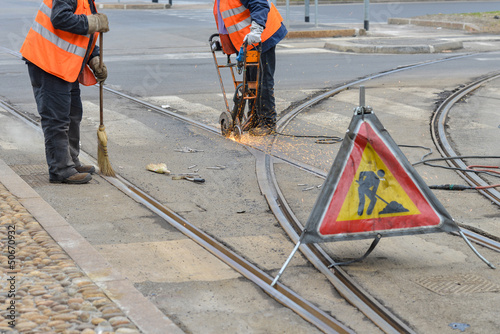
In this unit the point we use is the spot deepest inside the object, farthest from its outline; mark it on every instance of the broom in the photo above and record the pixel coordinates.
(102, 139)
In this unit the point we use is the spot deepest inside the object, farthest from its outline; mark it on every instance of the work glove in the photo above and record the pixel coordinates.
(253, 37)
(98, 23)
(101, 73)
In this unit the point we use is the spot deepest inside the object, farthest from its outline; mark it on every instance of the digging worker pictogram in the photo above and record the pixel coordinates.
(60, 52)
(368, 185)
(253, 22)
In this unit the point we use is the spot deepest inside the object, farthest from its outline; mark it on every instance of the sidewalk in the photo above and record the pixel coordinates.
(54, 281)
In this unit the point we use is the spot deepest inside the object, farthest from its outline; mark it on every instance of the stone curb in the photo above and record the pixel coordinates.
(144, 314)
(325, 33)
(393, 49)
(132, 6)
(429, 23)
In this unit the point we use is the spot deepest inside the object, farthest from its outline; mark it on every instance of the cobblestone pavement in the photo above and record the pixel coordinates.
(42, 290)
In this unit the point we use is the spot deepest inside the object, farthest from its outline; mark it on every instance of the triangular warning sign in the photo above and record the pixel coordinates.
(372, 189)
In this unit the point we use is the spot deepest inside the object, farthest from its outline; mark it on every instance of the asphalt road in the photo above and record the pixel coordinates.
(165, 52)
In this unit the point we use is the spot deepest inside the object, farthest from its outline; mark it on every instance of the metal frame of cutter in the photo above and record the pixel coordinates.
(236, 120)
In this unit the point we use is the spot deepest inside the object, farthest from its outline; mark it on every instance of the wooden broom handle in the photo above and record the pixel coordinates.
(101, 99)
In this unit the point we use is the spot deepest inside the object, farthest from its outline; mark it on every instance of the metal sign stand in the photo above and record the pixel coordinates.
(295, 249)
(475, 251)
(362, 110)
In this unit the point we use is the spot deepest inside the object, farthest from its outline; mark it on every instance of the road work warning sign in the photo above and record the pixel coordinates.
(372, 189)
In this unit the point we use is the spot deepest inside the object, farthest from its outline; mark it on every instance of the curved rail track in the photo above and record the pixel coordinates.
(438, 131)
(445, 148)
(385, 319)
(346, 286)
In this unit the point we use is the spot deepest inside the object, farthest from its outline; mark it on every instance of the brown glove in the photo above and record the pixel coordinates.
(98, 23)
(101, 73)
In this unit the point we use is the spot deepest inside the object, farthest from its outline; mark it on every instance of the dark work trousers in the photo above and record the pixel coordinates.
(266, 107)
(60, 107)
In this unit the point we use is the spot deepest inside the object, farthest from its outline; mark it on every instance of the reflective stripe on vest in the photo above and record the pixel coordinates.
(237, 21)
(239, 26)
(61, 43)
(57, 52)
(233, 11)
(242, 22)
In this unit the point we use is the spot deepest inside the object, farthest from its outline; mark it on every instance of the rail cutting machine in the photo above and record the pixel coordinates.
(242, 116)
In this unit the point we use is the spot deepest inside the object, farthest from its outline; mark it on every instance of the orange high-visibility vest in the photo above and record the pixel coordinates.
(237, 20)
(59, 52)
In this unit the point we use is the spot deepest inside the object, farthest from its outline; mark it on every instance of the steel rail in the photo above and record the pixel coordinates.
(372, 309)
(282, 294)
(381, 316)
(285, 119)
(441, 141)
(391, 322)
(440, 137)
(164, 111)
(482, 240)
(346, 286)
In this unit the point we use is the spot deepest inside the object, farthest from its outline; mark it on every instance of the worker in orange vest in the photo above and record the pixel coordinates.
(60, 52)
(253, 22)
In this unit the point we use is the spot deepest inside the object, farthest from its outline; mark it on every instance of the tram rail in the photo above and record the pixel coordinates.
(445, 148)
(347, 287)
(385, 319)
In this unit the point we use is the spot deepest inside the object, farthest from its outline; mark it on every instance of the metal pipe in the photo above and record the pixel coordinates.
(295, 249)
(306, 10)
(361, 96)
(316, 13)
(475, 251)
(367, 15)
(287, 20)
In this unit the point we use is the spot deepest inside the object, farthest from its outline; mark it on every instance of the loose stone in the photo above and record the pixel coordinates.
(97, 321)
(65, 317)
(84, 316)
(88, 331)
(26, 326)
(59, 308)
(62, 326)
(117, 321)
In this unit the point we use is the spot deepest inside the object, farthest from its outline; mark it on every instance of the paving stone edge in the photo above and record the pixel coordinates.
(345, 46)
(132, 6)
(143, 313)
(429, 23)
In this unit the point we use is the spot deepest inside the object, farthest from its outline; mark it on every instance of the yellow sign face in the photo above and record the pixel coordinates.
(375, 192)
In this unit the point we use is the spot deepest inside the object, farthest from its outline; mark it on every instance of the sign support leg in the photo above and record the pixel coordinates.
(296, 248)
(475, 251)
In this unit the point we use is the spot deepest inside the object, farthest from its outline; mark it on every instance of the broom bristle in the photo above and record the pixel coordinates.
(102, 153)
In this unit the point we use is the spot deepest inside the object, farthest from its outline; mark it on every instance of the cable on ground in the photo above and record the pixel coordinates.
(320, 139)
(489, 170)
